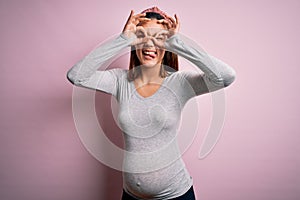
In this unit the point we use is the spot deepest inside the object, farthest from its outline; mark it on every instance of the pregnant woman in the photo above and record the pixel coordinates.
(151, 94)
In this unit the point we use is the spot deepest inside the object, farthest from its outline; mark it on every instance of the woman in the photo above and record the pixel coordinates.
(151, 96)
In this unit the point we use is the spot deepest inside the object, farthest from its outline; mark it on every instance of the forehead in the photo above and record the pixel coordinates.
(152, 26)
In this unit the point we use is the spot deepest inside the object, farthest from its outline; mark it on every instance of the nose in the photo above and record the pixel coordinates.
(149, 42)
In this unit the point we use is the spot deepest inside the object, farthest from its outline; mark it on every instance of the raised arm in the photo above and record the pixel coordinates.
(85, 72)
(217, 74)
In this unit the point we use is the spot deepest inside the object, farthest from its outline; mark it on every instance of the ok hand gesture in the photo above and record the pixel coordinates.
(131, 24)
(172, 26)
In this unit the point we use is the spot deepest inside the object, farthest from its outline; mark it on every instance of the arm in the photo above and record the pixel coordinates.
(217, 74)
(84, 73)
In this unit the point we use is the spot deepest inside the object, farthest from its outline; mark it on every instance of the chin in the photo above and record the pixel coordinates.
(150, 64)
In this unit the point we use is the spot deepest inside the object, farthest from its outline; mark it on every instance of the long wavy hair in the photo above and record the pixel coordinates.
(170, 59)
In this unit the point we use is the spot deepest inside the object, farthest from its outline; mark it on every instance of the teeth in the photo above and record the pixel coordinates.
(149, 52)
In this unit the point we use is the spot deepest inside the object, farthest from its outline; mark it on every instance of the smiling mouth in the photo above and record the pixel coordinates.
(149, 54)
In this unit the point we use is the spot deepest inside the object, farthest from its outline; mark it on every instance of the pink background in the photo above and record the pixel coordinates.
(41, 154)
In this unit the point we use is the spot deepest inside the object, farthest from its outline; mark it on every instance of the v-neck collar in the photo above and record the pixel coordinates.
(134, 89)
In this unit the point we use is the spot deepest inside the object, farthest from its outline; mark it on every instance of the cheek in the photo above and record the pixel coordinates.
(138, 48)
(138, 52)
(161, 53)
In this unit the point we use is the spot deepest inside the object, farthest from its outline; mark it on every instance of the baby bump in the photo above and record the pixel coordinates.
(146, 186)
(160, 183)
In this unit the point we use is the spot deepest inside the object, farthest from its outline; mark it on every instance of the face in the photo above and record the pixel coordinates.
(148, 53)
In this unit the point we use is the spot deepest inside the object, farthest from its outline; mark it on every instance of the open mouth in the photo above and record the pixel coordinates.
(149, 53)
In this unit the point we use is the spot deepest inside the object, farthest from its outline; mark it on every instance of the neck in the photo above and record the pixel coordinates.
(150, 74)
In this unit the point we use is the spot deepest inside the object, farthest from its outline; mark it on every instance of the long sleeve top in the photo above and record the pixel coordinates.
(153, 167)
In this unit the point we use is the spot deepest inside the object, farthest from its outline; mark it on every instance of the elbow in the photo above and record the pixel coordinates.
(74, 75)
(71, 76)
(229, 78)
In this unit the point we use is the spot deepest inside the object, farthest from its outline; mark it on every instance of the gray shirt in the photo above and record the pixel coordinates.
(153, 168)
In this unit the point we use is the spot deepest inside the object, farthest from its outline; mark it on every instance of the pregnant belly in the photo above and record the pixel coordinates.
(163, 183)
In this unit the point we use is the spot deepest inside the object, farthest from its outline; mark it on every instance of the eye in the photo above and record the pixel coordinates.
(140, 35)
(160, 37)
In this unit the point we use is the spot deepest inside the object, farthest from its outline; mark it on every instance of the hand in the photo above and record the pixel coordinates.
(172, 25)
(172, 28)
(160, 38)
(130, 27)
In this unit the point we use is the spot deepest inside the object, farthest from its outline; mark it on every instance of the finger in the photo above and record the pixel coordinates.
(178, 22)
(131, 13)
(130, 16)
(138, 41)
(177, 19)
(166, 22)
(137, 21)
(162, 32)
(141, 40)
(157, 43)
(163, 21)
(141, 29)
(143, 19)
(139, 15)
(128, 20)
(172, 20)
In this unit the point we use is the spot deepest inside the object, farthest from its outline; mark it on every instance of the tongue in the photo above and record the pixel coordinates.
(151, 55)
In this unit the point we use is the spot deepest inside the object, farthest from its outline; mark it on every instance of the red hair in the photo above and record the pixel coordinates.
(170, 60)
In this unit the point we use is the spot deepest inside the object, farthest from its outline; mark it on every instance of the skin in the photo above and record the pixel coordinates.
(148, 32)
(150, 37)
